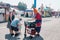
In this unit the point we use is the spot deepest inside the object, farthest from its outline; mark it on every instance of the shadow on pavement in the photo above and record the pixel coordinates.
(9, 37)
(35, 38)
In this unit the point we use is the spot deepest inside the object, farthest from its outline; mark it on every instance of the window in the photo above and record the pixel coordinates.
(2, 10)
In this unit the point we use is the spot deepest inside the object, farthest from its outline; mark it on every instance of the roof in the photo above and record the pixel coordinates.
(4, 5)
(28, 10)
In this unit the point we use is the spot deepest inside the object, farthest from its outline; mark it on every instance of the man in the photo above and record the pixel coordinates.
(38, 21)
(14, 26)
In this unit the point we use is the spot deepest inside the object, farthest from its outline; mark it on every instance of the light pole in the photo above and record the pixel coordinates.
(34, 3)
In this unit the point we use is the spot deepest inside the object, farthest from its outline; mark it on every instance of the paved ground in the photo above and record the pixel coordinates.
(50, 31)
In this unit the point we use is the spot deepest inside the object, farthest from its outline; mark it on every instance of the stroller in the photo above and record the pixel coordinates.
(29, 28)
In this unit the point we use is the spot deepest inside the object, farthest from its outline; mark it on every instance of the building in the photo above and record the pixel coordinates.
(4, 7)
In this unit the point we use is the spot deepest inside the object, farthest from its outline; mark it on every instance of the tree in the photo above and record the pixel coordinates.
(22, 6)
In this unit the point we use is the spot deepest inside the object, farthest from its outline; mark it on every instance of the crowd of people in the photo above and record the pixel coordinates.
(13, 23)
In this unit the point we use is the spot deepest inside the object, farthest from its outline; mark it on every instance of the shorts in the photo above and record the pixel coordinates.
(38, 21)
(8, 25)
(38, 29)
(14, 28)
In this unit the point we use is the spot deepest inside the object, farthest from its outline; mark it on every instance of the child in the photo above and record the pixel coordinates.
(14, 26)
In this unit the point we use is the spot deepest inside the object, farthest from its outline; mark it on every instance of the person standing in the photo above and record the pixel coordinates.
(9, 22)
(38, 21)
(10, 19)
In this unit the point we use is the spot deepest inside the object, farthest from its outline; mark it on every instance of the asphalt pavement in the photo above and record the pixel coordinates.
(50, 30)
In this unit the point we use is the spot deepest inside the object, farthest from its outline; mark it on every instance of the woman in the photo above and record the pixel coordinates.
(9, 22)
(11, 18)
(38, 21)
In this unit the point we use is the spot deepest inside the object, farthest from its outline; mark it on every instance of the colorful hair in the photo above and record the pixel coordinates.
(35, 10)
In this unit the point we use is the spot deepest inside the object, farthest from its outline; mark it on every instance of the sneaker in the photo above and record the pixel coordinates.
(37, 35)
(12, 34)
(31, 37)
(17, 34)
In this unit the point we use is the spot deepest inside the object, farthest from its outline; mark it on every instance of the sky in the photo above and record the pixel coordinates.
(51, 3)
